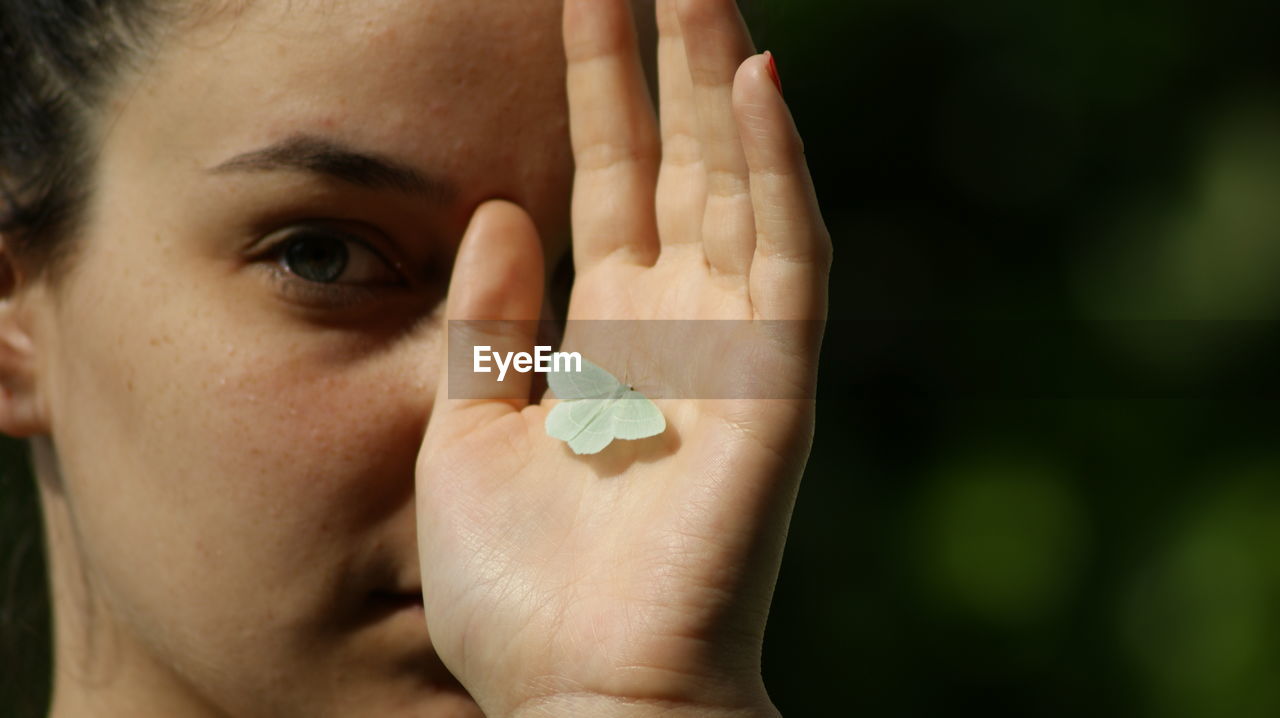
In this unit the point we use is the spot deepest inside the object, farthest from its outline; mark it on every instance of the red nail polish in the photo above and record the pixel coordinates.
(773, 71)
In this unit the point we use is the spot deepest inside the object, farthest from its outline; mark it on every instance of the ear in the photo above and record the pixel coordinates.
(21, 412)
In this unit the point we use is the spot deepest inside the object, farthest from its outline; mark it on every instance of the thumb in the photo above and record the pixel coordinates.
(494, 301)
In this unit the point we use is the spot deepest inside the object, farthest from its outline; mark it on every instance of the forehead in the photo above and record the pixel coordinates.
(473, 91)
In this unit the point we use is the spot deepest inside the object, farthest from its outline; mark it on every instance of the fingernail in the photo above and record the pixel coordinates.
(773, 71)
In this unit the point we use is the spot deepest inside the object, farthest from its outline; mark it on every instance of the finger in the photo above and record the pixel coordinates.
(682, 189)
(495, 298)
(614, 133)
(716, 42)
(793, 249)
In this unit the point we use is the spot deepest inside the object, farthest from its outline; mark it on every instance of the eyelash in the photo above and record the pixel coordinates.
(335, 295)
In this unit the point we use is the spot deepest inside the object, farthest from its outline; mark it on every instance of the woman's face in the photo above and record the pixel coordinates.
(240, 364)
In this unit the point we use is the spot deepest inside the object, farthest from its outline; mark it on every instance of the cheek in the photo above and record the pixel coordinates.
(222, 455)
(274, 412)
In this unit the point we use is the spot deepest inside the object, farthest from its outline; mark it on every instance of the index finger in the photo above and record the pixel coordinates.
(614, 133)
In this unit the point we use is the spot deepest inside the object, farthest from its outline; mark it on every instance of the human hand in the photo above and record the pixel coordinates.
(638, 580)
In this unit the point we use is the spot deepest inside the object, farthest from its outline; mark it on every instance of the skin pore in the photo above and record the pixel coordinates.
(261, 499)
(237, 445)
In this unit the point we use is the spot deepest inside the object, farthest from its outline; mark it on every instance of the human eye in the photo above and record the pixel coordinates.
(323, 265)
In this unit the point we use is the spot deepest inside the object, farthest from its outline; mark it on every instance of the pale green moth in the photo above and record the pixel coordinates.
(596, 408)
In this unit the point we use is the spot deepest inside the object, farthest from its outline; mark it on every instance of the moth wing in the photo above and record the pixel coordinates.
(635, 416)
(596, 435)
(590, 383)
(568, 418)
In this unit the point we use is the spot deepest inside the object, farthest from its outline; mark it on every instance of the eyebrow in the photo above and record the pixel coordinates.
(323, 156)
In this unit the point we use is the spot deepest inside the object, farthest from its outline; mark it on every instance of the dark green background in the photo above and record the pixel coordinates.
(1099, 555)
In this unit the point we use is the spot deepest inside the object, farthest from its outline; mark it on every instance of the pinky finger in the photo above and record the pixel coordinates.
(793, 249)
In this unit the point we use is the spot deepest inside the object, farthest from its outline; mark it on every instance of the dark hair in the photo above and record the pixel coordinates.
(59, 60)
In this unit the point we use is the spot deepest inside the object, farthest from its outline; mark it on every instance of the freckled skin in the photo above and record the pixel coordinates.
(237, 475)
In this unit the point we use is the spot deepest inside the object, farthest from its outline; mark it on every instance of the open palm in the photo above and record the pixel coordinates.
(644, 573)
